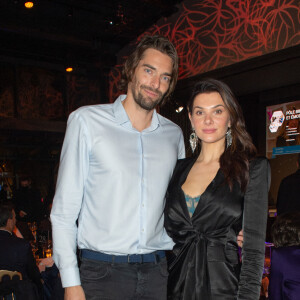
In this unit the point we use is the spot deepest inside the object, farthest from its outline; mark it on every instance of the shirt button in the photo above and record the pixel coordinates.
(143, 205)
(143, 230)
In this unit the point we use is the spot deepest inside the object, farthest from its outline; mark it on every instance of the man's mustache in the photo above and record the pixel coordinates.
(151, 89)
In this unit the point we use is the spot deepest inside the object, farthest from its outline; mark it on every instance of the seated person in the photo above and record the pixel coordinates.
(53, 289)
(15, 253)
(285, 261)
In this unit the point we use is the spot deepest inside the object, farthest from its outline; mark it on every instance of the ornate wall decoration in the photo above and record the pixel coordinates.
(6, 91)
(210, 34)
(40, 94)
(82, 91)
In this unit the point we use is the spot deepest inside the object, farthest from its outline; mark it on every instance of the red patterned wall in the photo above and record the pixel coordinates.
(210, 34)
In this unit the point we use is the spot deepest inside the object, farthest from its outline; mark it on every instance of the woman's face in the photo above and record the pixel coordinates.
(210, 117)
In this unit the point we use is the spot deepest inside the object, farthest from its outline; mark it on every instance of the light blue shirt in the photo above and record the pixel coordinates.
(113, 178)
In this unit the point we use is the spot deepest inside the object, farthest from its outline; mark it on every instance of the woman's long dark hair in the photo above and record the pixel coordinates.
(234, 162)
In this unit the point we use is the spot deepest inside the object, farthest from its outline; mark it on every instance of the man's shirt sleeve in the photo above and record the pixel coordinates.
(67, 202)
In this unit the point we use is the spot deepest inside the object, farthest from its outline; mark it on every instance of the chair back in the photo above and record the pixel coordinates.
(11, 274)
(8, 281)
(12, 286)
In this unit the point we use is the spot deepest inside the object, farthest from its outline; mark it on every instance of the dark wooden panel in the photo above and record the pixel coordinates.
(32, 125)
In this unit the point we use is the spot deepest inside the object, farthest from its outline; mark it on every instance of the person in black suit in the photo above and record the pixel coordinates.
(15, 253)
(288, 194)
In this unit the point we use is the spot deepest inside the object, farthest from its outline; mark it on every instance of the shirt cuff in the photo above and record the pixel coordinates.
(70, 277)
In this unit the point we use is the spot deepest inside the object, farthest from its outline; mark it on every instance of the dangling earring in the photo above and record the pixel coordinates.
(228, 138)
(193, 140)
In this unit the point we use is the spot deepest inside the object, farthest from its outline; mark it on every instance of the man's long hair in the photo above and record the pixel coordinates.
(159, 43)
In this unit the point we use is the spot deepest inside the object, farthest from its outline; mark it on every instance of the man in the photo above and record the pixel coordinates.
(288, 199)
(28, 204)
(15, 253)
(116, 162)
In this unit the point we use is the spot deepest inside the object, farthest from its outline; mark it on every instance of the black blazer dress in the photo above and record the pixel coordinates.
(204, 264)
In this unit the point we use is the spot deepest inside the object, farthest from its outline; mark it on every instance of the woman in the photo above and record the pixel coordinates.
(211, 197)
(285, 263)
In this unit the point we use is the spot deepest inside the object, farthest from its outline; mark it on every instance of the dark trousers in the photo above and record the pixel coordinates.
(124, 281)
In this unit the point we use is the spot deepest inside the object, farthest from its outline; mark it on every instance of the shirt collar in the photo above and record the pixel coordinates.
(119, 111)
(122, 117)
(6, 231)
(154, 123)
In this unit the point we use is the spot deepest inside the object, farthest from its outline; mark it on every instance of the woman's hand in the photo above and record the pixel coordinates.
(240, 239)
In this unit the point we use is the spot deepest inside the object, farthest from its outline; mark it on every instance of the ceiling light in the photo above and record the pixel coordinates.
(28, 4)
(69, 69)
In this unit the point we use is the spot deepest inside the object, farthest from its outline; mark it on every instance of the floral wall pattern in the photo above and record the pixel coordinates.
(40, 94)
(82, 91)
(210, 34)
(34, 93)
(6, 91)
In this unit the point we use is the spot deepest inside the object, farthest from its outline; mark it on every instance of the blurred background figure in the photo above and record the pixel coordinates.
(285, 262)
(29, 208)
(27, 199)
(288, 199)
(4, 194)
(16, 254)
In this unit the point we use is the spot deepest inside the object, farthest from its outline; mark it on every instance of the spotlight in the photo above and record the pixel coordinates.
(69, 69)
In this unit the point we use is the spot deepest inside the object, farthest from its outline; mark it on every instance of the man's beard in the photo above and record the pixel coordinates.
(145, 102)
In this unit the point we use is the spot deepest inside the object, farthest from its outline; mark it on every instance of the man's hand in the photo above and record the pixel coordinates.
(74, 293)
(240, 239)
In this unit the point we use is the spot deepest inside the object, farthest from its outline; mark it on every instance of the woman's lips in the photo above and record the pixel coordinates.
(209, 130)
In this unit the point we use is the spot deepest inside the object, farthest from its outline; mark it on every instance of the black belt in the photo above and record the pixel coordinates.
(133, 258)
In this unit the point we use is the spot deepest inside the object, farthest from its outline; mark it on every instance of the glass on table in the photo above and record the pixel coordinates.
(48, 252)
(34, 248)
(47, 249)
(33, 228)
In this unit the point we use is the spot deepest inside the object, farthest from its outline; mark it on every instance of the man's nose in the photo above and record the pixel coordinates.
(155, 82)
